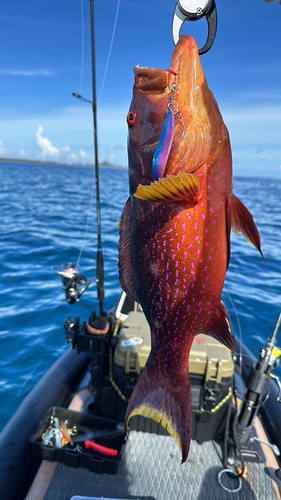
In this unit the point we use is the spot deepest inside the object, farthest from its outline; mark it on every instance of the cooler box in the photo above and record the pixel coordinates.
(211, 370)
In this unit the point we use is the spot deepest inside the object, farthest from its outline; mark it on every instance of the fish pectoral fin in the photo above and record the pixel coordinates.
(242, 221)
(219, 325)
(125, 262)
(165, 398)
(181, 187)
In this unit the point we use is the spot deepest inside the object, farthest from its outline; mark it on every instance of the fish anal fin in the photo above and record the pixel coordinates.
(219, 325)
(181, 187)
(242, 221)
(125, 262)
(165, 398)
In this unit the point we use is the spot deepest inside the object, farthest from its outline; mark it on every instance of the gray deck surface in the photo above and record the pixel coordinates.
(151, 469)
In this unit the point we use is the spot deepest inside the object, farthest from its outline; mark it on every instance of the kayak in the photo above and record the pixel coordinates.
(89, 388)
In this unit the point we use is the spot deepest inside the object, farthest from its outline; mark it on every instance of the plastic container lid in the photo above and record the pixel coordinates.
(97, 498)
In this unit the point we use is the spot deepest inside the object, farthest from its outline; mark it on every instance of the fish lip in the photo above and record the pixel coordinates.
(185, 50)
(141, 71)
(159, 80)
(151, 79)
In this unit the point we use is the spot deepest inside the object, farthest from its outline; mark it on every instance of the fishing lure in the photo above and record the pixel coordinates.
(47, 436)
(165, 143)
(65, 432)
(57, 433)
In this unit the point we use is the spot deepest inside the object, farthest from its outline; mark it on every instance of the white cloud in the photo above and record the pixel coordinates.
(73, 126)
(2, 148)
(48, 150)
(58, 153)
(9, 152)
(37, 72)
(254, 133)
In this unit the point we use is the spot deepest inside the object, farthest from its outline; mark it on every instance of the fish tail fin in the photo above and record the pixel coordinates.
(166, 398)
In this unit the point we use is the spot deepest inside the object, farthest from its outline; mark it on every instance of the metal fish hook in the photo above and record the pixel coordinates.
(193, 10)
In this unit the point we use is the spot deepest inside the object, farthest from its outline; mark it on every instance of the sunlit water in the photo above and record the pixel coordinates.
(44, 212)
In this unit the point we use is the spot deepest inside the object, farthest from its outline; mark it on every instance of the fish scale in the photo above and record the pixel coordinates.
(174, 246)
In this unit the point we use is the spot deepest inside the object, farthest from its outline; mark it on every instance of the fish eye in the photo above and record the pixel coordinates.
(131, 118)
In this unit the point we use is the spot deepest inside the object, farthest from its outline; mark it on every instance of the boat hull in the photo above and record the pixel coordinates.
(55, 387)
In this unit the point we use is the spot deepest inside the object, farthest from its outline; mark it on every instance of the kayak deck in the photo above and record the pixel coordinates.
(151, 469)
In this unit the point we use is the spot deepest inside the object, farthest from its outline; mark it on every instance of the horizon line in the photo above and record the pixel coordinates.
(104, 164)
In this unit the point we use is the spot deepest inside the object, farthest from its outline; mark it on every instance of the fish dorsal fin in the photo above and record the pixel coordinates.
(242, 221)
(181, 187)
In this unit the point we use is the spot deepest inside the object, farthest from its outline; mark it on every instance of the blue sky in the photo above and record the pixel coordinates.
(40, 66)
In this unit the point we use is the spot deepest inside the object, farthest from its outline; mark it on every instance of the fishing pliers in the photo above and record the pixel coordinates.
(87, 436)
(193, 10)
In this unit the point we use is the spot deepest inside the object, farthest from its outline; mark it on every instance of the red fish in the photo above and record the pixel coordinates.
(174, 246)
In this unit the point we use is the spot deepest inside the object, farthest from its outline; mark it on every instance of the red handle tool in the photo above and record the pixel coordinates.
(101, 449)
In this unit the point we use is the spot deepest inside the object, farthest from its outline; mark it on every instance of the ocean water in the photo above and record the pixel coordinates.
(44, 211)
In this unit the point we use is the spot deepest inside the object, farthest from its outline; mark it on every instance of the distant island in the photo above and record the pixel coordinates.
(40, 162)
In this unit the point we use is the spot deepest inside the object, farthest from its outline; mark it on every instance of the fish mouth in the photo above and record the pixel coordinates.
(185, 53)
(189, 73)
(150, 79)
(185, 63)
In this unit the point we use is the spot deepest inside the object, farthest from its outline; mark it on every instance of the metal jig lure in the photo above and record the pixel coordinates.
(166, 139)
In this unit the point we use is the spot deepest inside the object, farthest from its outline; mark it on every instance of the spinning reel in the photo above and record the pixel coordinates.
(73, 283)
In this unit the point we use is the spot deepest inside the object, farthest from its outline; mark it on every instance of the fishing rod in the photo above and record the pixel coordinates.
(240, 442)
(100, 263)
(71, 280)
(258, 382)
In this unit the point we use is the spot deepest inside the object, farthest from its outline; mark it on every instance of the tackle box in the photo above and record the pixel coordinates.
(133, 346)
(88, 458)
(211, 371)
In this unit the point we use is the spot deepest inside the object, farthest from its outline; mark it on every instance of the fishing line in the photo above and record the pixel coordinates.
(264, 401)
(239, 327)
(244, 355)
(109, 52)
(103, 82)
(83, 45)
(88, 219)
(240, 353)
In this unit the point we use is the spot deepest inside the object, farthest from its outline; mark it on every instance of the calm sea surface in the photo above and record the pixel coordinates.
(44, 212)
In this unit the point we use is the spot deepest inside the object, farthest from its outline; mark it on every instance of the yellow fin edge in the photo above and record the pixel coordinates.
(158, 416)
(179, 187)
(238, 233)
